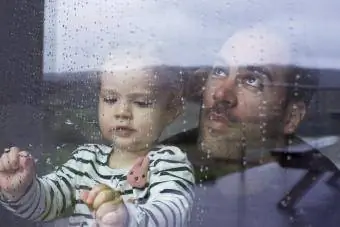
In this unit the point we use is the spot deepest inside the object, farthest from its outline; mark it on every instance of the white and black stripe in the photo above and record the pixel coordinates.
(167, 198)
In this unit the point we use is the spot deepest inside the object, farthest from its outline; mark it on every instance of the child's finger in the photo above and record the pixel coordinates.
(105, 208)
(26, 160)
(13, 157)
(5, 162)
(94, 192)
(111, 213)
(103, 197)
(2, 168)
(84, 195)
(25, 154)
(14, 149)
(111, 219)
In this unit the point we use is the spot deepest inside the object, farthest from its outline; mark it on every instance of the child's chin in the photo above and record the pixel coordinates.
(124, 143)
(130, 144)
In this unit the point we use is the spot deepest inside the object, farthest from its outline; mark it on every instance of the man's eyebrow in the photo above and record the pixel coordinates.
(260, 69)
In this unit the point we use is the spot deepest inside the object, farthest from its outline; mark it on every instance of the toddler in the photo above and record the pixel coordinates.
(133, 181)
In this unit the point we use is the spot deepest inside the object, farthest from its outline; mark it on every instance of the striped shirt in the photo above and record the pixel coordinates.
(166, 200)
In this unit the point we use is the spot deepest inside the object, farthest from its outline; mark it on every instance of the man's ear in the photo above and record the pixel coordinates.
(295, 112)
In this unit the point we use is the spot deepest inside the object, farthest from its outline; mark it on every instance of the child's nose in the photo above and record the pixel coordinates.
(123, 112)
(123, 115)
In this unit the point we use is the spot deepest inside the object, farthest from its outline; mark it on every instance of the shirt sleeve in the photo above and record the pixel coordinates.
(48, 197)
(170, 194)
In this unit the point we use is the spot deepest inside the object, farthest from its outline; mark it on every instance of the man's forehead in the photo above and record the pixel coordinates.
(256, 46)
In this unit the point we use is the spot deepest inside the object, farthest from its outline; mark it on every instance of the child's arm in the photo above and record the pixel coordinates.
(170, 198)
(48, 197)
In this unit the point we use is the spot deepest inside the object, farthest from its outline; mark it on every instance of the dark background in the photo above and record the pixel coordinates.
(21, 48)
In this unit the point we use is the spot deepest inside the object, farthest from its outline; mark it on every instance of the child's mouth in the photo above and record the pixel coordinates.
(123, 131)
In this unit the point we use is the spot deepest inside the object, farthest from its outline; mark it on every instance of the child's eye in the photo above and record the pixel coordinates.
(110, 100)
(144, 104)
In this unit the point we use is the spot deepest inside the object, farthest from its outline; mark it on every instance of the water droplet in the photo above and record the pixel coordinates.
(48, 161)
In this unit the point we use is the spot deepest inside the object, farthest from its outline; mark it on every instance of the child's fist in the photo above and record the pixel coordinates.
(17, 170)
(107, 204)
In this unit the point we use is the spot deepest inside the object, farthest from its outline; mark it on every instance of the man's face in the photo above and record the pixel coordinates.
(243, 104)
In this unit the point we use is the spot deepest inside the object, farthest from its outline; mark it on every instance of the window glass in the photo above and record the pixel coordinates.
(226, 110)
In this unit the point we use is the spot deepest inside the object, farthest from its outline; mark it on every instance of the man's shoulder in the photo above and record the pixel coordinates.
(186, 137)
(258, 171)
(255, 179)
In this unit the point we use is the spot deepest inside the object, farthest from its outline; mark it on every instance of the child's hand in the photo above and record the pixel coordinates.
(108, 206)
(17, 170)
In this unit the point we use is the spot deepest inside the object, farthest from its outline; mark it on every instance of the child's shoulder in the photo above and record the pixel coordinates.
(167, 152)
(170, 158)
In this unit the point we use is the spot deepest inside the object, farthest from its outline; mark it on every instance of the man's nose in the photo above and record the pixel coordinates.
(225, 91)
(123, 111)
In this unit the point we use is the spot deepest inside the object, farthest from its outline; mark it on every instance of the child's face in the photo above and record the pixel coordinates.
(132, 114)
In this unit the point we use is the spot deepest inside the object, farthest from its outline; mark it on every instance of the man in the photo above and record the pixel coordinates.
(254, 100)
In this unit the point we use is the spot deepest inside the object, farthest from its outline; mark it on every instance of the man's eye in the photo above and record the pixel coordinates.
(110, 100)
(219, 72)
(253, 81)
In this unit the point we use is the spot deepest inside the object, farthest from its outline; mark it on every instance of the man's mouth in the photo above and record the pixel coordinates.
(214, 116)
(217, 121)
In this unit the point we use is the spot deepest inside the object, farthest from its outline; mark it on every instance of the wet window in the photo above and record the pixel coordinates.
(170, 113)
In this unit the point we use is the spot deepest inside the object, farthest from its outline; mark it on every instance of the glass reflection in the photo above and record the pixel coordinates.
(254, 98)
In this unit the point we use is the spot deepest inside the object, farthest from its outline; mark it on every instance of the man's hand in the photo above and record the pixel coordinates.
(17, 170)
(108, 206)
